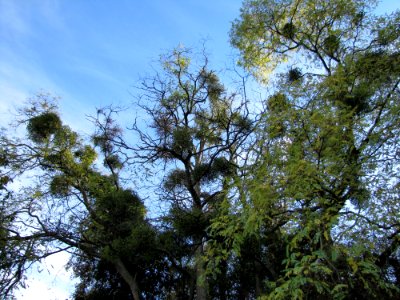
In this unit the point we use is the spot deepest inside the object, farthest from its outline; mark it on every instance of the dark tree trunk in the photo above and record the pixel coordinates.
(201, 281)
(129, 279)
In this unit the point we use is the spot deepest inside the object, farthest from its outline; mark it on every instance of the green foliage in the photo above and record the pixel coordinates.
(176, 178)
(214, 87)
(297, 202)
(113, 161)
(243, 123)
(4, 180)
(60, 186)
(294, 75)
(199, 129)
(331, 44)
(182, 140)
(312, 27)
(278, 103)
(322, 146)
(207, 172)
(289, 30)
(41, 127)
(122, 205)
(189, 223)
(222, 166)
(277, 106)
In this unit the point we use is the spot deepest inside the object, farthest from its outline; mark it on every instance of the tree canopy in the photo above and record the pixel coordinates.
(296, 197)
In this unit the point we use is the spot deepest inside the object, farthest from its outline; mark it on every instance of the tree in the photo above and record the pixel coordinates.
(15, 256)
(298, 202)
(69, 205)
(325, 183)
(72, 205)
(98, 280)
(198, 133)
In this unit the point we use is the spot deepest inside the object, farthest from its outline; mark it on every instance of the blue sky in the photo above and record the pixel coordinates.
(92, 52)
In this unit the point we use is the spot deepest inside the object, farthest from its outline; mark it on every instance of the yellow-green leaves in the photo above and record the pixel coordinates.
(270, 32)
(42, 126)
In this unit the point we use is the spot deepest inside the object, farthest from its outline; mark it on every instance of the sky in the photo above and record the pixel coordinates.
(91, 53)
